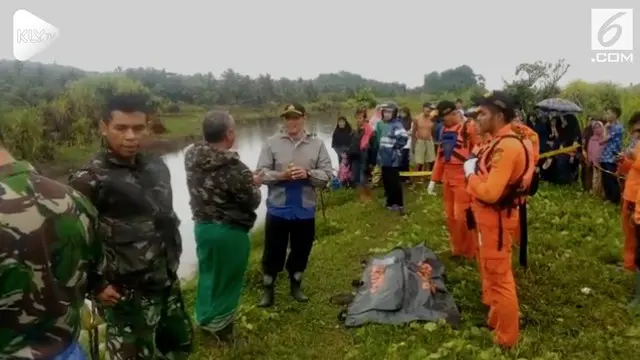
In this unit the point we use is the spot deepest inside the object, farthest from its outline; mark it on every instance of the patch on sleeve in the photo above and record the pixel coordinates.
(496, 156)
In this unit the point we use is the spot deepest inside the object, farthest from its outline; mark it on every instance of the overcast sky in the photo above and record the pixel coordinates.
(397, 40)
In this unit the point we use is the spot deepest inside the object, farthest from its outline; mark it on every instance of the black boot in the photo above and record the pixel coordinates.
(268, 292)
(296, 291)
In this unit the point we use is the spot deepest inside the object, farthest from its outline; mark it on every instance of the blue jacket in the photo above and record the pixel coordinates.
(392, 140)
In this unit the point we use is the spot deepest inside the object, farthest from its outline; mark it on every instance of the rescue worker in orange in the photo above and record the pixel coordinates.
(634, 305)
(483, 139)
(457, 139)
(630, 164)
(496, 180)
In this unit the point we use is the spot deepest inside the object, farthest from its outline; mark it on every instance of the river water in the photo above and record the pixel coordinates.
(249, 141)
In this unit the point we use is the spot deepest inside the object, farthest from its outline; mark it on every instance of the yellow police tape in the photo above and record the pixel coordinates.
(542, 156)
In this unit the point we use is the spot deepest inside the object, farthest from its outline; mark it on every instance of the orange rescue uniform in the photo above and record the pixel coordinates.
(482, 144)
(449, 171)
(629, 210)
(504, 172)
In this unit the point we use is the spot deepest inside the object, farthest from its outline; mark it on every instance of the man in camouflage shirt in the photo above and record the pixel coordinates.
(49, 259)
(132, 193)
(224, 196)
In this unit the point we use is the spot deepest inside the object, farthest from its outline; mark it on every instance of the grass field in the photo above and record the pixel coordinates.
(574, 243)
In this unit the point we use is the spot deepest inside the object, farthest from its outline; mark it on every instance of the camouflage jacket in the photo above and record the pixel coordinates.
(137, 221)
(49, 258)
(221, 187)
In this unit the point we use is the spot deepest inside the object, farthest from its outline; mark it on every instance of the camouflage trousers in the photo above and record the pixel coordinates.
(149, 327)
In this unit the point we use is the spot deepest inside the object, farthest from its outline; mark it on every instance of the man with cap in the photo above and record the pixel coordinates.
(50, 259)
(497, 180)
(422, 138)
(456, 144)
(292, 164)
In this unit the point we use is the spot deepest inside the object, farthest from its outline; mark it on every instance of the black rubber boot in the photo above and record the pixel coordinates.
(296, 290)
(268, 292)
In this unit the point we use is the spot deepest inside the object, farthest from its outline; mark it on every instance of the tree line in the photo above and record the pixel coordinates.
(30, 84)
(45, 106)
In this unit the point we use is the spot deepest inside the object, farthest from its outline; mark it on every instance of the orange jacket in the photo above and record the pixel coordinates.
(528, 133)
(461, 138)
(632, 181)
(504, 173)
(481, 142)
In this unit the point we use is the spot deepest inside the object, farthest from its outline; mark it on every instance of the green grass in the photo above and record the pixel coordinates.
(574, 243)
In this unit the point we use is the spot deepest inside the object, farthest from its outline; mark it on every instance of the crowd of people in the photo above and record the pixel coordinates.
(488, 162)
(112, 235)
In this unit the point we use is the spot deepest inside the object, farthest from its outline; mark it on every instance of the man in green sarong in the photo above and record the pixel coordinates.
(224, 196)
(132, 193)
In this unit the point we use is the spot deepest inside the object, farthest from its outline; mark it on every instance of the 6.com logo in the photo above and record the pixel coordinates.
(612, 35)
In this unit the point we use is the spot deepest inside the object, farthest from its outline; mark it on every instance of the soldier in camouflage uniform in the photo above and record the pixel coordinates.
(49, 259)
(224, 196)
(132, 193)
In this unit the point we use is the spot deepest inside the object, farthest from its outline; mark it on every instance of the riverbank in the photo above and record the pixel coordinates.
(574, 243)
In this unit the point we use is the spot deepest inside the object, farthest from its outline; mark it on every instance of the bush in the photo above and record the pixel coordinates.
(24, 136)
(595, 98)
(71, 119)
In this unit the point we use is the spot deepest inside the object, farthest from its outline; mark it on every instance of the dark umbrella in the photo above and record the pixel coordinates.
(557, 104)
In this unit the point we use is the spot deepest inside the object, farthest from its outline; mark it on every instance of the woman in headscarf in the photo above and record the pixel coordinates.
(341, 137)
(594, 148)
(571, 136)
(586, 170)
(359, 153)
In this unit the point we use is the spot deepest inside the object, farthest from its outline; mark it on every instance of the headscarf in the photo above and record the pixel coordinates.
(595, 147)
(368, 132)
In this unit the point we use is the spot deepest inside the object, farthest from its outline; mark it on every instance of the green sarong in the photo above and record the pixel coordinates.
(223, 256)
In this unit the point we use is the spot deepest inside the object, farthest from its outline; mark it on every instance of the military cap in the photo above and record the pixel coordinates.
(294, 109)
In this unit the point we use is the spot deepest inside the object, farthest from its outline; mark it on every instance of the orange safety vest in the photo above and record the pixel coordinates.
(482, 141)
(525, 132)
(516, 191)
(455, 144)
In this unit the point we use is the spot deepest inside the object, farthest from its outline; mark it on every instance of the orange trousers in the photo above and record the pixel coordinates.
(457, 204)
(628, 228)
(498, 285)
